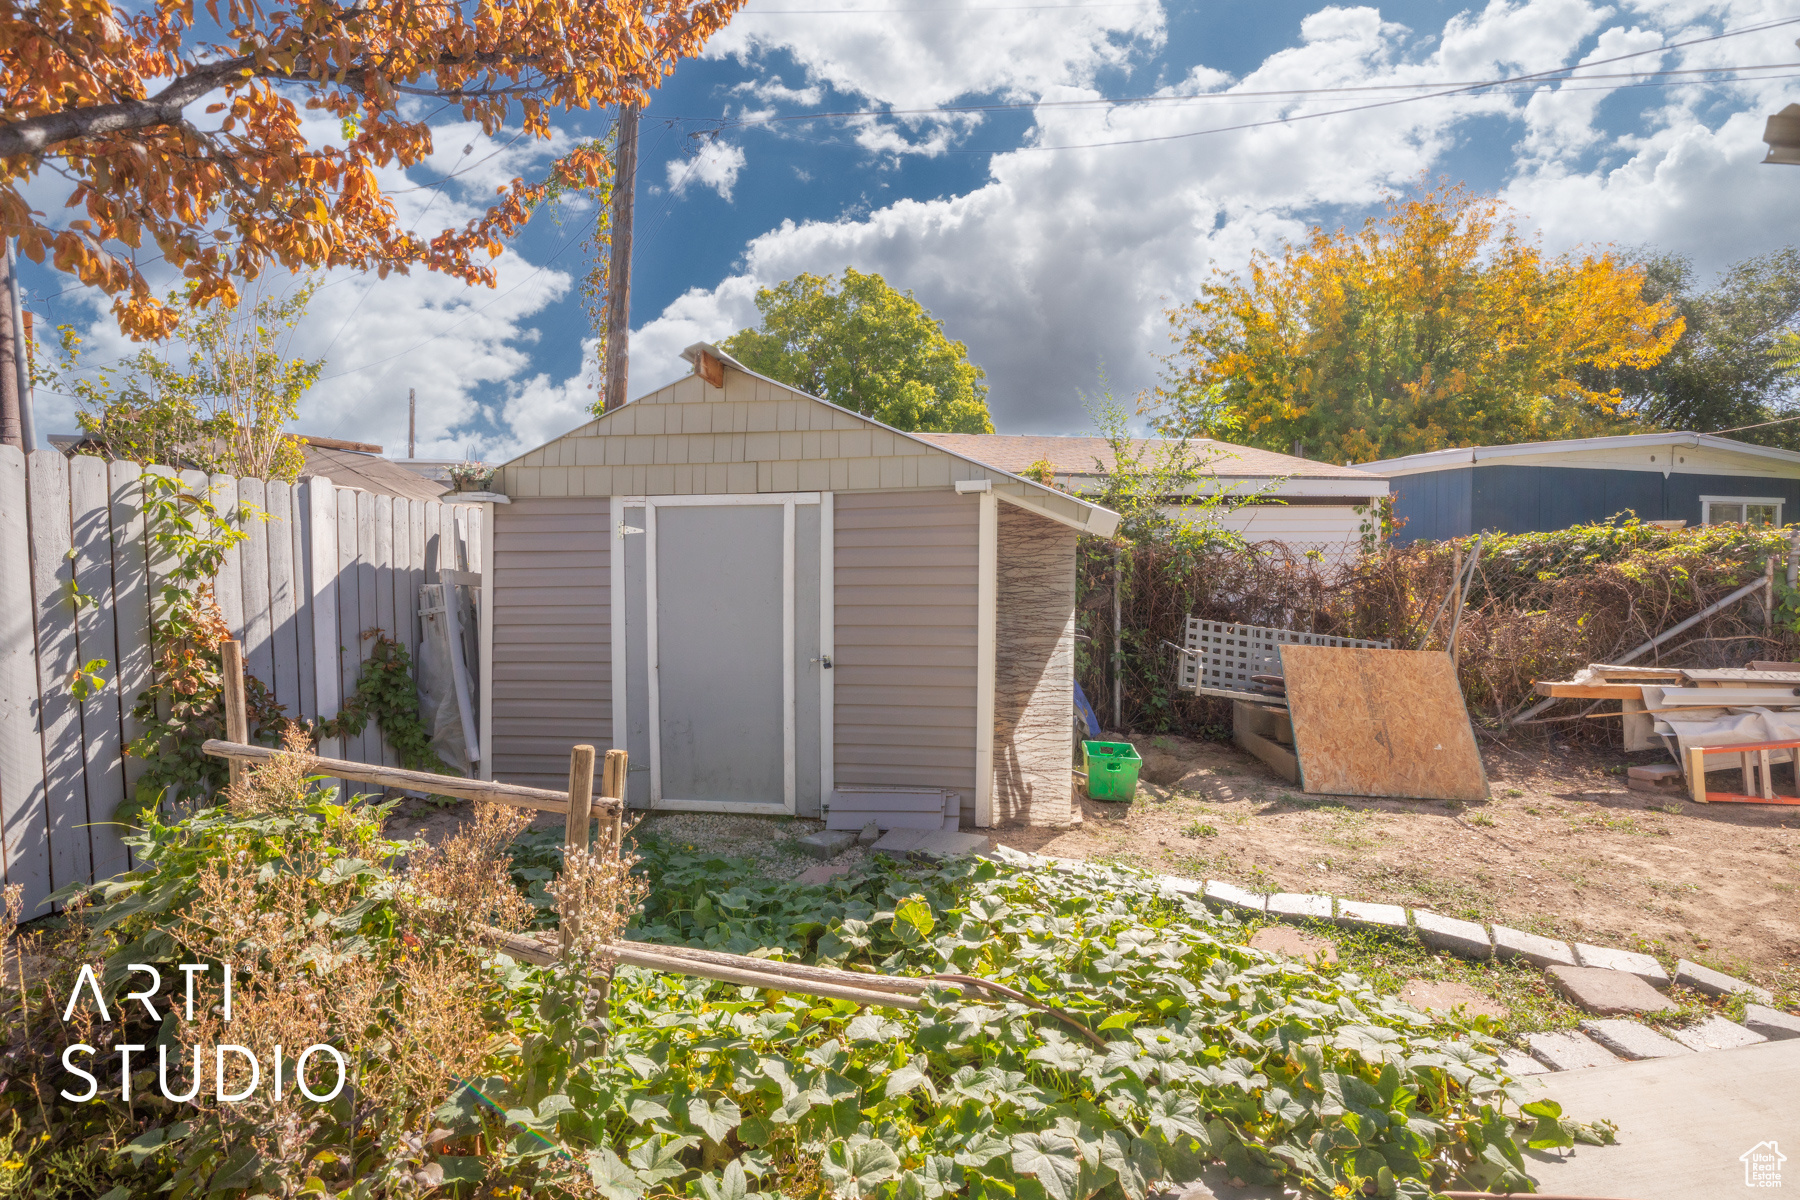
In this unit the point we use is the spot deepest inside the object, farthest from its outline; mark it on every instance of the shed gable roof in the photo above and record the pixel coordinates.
(758, 435)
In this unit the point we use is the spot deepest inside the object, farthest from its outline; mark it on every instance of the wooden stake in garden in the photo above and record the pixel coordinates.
(612, 787)
(237, 714)
(578, 829)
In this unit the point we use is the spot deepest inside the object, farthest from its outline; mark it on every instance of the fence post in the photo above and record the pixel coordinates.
(581, 807)
(581, 797)
(612, 786)
(237, 717)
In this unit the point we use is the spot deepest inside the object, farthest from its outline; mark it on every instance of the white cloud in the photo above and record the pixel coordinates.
(715, 165)
(1062, 263)
(925, 57)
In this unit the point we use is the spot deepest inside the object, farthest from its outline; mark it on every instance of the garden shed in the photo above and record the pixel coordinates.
(765, 598)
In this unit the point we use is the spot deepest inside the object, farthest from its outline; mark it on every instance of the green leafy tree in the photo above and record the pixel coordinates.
(224, 410)
(1735, 364)
(867, 347)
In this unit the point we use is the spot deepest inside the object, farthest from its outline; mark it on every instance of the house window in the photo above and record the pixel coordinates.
(1755, 511)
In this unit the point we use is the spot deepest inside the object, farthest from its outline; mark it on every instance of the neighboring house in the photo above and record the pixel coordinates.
(360, 465)
(1696, 478)
(764, 597)
(347, 464)
(1305, 504)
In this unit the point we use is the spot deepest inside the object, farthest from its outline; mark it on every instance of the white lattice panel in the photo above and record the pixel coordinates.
(1220, 655)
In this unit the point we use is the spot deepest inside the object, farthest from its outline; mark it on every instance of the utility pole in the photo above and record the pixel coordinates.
(412, 420)
(12, 355)
(618, 281)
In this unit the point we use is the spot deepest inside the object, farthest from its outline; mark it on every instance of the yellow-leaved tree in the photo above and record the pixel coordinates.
(1438, 324)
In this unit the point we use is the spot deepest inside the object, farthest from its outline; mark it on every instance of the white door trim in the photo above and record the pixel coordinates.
(987, 594)
(618, 651)
(827, 647)
(787, 501)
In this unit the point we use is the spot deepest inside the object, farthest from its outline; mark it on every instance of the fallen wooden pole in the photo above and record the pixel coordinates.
(734, 968)
(512, 794)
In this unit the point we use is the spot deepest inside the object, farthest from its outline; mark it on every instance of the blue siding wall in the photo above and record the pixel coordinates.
(1434, 504)
(1524, 499)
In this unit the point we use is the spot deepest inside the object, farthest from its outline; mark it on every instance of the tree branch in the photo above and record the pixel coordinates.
(34, 135)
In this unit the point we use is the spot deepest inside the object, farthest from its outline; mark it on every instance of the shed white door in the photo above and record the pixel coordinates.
(720, 608)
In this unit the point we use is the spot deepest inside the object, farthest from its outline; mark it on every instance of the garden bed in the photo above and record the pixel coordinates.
(1563, 848)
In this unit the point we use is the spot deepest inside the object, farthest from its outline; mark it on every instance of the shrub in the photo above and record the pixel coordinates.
(1542, 606)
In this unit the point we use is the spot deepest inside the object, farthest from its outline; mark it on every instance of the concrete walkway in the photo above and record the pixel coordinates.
(1683, 1124)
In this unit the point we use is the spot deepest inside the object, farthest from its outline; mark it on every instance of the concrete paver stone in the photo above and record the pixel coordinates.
(1716, 1033)
(828, 843)
(929, 843)
(1608, 993)
(1628, 1039)
(1629, 961)
(821, 873)
(1520, 1065)
(1360, 914)
(1230, 896)
(1464, 938)
(1717, 983)
(1568, 1051)
(1298, 906)
(1539, 951)
(1772, 1023)
(1182, 887)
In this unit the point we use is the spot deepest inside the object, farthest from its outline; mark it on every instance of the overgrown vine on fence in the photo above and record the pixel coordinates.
(190, 536)
(387, 693)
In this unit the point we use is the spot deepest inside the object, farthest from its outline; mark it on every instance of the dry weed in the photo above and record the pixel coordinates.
(466, 880)
(596, 896)
(280, 784)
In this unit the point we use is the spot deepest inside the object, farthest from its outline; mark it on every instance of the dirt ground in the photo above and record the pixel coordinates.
(1563, 848)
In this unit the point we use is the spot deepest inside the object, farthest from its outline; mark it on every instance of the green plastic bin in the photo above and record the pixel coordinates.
(1112, 769)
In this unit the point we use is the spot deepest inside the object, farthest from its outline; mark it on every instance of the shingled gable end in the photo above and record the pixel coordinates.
(673, 577)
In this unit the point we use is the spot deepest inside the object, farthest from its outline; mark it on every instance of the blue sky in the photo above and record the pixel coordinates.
(1052, 264)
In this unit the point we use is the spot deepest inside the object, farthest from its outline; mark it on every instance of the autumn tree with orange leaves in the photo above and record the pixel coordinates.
(181, 133)
(1437, 325)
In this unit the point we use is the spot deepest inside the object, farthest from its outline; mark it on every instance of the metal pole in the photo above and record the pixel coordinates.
(1118, 654)
(412, 421)
(1658, 640)
(618, 282)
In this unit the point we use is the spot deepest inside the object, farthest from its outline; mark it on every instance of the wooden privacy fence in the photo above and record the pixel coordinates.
(77, 572)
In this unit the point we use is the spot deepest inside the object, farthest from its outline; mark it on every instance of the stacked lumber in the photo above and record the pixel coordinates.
(1645, 692)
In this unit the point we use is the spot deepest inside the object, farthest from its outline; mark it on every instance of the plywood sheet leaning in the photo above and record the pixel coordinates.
(1381, 723)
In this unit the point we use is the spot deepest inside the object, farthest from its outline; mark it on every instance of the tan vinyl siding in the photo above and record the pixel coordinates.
(552, 683)
(904, 667)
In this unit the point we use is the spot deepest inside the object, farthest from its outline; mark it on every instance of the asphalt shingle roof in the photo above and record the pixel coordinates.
(1079, 455)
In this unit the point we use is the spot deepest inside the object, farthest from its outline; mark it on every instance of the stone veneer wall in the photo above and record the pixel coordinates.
(1034, 675)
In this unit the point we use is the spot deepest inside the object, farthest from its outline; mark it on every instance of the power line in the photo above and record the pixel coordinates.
(886, 12)
(1270, 95)
(1442, 90)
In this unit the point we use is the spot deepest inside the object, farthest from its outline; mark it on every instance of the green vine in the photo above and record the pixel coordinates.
(180, 710)
(385, 692)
